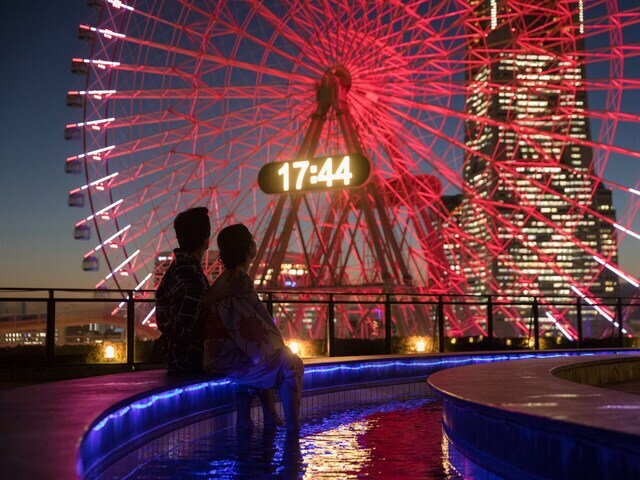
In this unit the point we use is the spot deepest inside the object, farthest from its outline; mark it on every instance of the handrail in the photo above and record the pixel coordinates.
(332, 299)
(403, 291)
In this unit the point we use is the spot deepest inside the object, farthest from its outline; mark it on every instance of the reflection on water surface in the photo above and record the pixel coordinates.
(386, 439)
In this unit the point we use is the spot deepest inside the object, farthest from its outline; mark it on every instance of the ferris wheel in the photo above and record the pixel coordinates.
(402, 146)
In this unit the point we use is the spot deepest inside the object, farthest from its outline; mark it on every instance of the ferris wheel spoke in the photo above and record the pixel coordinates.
(219, 60)
(159, 166)
(569, 236)
(307, 64)
(416, 147)
(606, 84)
(607, 115)
(269, 47)
(516, 232)
(445, 170)
(441, 49)
(597, 56)
(301, 41)
(177, 26)
(164, 116)
(584, 209)
(607, 22)
(523, 129)
(267, 92)
(143, 69)
(162, 140)
(383, 41)
(270, 124)
(153, 142)
(158, 200)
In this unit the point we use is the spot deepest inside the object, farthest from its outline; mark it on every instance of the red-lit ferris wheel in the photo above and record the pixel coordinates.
(477, 118)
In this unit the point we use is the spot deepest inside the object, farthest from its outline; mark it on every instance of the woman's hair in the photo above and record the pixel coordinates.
(234, 243)
(192, 228)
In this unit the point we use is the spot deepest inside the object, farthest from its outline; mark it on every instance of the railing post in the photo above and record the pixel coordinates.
(536, 324)
(441, 324)
(490, 321)
(387, 324)
(331, 328)
(619, 320)
(131, 332)
(579, 320)
(50, 335)
(270, 304)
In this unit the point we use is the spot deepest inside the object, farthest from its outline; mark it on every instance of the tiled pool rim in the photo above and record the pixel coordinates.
(564, 427)
(132, 422)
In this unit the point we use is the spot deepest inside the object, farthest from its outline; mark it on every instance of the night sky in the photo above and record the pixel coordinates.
(38, 38)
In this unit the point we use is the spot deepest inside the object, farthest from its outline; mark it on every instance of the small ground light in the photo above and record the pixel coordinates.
(453, 341)
(295, 347)
(109, 352)
(421, 346)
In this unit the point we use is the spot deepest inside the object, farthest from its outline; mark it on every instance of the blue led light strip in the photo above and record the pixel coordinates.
(430, 365)
(147, 402)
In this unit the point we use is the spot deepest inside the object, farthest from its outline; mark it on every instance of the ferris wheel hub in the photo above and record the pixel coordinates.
(337, 74)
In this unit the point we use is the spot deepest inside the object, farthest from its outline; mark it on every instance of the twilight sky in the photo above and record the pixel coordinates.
(37, 41)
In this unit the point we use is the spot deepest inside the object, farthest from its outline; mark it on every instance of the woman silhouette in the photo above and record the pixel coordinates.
(242, 342)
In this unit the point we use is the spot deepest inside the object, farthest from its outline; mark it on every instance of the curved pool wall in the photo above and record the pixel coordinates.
(134, 421)
(545, 417)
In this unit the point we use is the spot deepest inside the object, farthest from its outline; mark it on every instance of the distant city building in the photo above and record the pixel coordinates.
(527, 187)
(24, 323)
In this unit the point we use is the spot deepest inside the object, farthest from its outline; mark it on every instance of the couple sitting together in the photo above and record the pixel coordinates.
(224, 329)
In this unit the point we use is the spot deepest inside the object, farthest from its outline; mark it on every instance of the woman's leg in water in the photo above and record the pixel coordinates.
(268, 401)
(290, 390)
(244, 399)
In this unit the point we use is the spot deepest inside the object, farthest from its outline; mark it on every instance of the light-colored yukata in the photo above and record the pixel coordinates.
(241, 340)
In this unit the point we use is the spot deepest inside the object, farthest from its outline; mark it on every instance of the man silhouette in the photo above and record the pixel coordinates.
(179, 295)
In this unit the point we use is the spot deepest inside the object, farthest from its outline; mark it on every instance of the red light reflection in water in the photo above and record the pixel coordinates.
(407, 444)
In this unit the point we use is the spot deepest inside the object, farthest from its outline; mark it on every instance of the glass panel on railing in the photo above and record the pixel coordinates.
(413, 324)
(303, 325)
(22, 331)
(558, 323)
(359, 325)
(92, 328)
(599, 325)
(466, 322)
(147, 347)
(631, 322)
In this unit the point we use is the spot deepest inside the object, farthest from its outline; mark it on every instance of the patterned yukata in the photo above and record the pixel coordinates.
(179, 313)
(241, 340)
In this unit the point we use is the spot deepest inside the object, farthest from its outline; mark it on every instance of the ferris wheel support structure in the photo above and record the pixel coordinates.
(331, 92)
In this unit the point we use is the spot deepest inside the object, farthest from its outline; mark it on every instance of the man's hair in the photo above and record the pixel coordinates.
(192, 228)
(234, 242)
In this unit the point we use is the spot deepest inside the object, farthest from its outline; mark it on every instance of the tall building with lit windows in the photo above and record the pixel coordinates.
(531, 208)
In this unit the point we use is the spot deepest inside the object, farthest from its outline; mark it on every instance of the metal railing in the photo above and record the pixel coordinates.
(490, 302)
(612, 307)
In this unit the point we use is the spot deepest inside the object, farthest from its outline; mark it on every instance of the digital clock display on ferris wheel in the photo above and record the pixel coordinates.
(323, 173)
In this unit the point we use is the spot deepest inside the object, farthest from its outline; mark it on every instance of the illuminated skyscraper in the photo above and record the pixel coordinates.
(525, 98)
